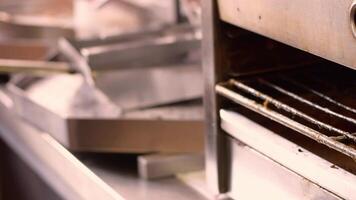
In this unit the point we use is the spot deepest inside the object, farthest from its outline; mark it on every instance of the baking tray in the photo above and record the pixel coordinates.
(175, 127)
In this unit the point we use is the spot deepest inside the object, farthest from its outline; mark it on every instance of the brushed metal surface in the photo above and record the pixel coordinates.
(153, 166)
(320, 27)
(180, 134)
(255, 176)
(120, 172)
(293, 157)
(139, 130)
(51, 161)
(216, 144)
(96, 176)
(126, 89)
(179, 126)
(160, 49)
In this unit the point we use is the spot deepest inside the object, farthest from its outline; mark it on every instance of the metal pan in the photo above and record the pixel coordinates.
(152, 47)
(172, 129)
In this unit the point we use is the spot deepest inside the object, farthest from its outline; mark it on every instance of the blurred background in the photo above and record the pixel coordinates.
(100, 99)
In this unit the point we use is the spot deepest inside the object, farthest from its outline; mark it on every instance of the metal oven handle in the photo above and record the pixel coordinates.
(353, 18)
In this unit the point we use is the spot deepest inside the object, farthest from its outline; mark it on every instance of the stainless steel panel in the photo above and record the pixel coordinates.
(140, 88)
(254, 176)
(321, 27)
(311, 168)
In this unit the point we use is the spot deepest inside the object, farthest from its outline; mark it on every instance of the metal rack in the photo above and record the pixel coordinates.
(286, 99)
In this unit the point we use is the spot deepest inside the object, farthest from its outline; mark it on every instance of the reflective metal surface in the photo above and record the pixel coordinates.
(250, 180)
(216, 144)
(58, 167)
(155, 51)
(55, 105)
(155, 166)
(82, 130)
(120, 172)
(229, 51)
(279, 97)
(117, 59)
(33, 67)
(86, 176)
(171, 44)
(313, 171)
(333, 40)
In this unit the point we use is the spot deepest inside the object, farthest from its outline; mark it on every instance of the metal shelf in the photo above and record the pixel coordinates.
(315, 110)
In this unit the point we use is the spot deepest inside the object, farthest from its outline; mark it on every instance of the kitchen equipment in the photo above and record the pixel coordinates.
(127, 57)
(175, 128)
(273, 106)
(50, 103)
(137, 48)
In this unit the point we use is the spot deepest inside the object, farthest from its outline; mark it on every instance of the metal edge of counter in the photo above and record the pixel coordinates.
(50, 160)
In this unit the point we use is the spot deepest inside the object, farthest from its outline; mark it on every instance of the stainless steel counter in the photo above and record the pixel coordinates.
(120, 173)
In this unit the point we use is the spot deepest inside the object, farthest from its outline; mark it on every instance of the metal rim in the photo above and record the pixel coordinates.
(353, 18)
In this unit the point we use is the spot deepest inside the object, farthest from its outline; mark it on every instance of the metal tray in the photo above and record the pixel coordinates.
(168, 128)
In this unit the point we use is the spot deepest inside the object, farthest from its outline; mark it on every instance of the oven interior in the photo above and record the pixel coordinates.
(299, 96)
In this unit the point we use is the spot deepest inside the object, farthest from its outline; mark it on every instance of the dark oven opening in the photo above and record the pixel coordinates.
(304, 98)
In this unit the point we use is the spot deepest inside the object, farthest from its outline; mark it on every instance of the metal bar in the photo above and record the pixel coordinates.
(254, 106)
(289, 109)
(319, 94)
(305, 101)
(217, 146)
(35, 67)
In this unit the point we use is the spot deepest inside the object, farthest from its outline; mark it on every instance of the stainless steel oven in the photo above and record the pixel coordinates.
(280, 85)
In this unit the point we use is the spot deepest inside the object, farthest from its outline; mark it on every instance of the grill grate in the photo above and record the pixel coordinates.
(315, 101)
